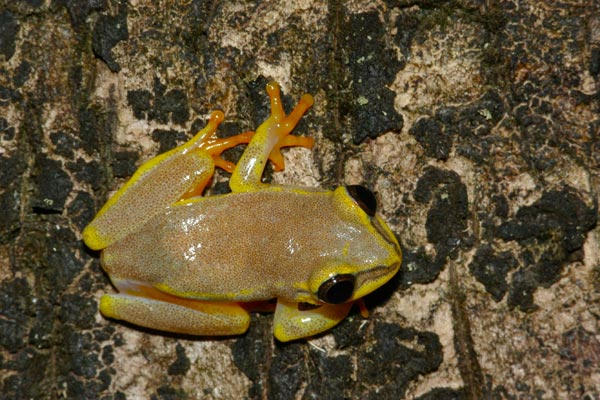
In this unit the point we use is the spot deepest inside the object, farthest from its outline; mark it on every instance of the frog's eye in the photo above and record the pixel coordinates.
(337, 289)
(364, 198)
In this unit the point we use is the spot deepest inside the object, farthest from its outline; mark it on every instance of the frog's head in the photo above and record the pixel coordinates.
(370, 254)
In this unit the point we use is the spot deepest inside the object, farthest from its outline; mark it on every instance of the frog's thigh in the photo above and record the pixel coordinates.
(188, 316)
(291, 323)
(147, 193)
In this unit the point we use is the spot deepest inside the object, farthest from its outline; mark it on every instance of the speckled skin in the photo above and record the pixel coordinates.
(151, 192)
(222, 248)
(190, 264)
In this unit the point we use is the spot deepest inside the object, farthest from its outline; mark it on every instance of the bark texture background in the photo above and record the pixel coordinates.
(476, 121)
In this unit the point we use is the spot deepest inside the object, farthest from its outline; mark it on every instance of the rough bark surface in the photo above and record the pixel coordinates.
(476, 122)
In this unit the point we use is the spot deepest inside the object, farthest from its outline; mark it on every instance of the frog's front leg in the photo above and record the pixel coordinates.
(147, 306)
(292, 322)
(270, 137)
(177, 174)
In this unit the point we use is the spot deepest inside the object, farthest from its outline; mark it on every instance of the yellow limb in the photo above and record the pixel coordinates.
(270, 136)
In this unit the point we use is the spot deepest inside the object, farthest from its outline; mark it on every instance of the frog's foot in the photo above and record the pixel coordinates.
(292, 322)
(206, 140)
(280, 125)
(146, 306)
(270, 137)
(362, 308)
(206, 143)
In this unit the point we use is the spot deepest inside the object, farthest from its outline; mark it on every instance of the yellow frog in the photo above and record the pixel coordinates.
(197, 265)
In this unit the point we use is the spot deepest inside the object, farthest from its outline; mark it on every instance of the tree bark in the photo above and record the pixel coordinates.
(476, 122)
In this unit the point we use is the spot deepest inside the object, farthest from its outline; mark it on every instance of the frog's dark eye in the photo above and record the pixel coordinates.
(337, 289)
(364, 198)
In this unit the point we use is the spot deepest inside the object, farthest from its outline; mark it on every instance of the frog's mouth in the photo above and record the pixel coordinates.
(374, 278)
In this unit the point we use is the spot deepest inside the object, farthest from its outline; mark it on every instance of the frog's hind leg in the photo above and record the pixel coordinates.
(160, 182)
(146, 306)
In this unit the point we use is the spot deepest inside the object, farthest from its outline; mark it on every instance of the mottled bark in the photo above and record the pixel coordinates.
(476, 122)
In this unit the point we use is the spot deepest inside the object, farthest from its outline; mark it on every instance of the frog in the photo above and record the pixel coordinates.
(191, 264)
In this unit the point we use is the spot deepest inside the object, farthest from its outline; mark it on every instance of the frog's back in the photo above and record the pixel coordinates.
(239, 246)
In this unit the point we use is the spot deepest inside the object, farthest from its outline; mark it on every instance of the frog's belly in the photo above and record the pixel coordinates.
(246, 246)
